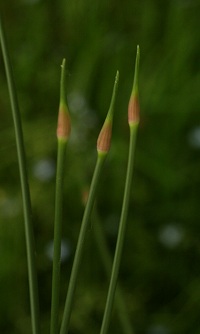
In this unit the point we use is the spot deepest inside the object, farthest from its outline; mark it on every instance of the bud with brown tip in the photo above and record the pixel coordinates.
(104, 139)
(64, 123)
(133, 107)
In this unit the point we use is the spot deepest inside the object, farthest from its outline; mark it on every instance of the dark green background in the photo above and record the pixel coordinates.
(160, 278)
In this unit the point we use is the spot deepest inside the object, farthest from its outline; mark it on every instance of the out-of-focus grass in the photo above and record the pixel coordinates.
(159, 275)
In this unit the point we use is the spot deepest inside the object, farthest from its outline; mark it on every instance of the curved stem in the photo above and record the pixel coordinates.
(80, 245)
(28, 224)
(106, 258)
(121, 233)
(57, 236)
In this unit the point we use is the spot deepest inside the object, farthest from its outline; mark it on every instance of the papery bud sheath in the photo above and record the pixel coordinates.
(104, 139)
(64, 123)
(133, 106)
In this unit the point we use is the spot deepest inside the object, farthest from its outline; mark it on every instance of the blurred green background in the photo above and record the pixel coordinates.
(160, 271)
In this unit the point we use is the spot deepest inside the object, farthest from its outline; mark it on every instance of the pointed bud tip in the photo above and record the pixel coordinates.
(63, 63)
(117, 77)
(64, 123)
(135, 81)
(133, 107)
(62, 82)
(104, 139)
(138, 50)
(109, 116)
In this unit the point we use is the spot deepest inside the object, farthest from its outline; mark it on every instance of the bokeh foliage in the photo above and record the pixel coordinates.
(160, 269)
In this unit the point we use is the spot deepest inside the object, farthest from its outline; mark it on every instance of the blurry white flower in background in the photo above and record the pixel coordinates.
(65, 250)
(84, 120)
(44, 170)
(77, 102)
(194, 137)
(171, 235)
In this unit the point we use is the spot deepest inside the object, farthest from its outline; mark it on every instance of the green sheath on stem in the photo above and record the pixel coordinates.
(133, 120)
(28, 224)
(63, 131)
(103, 145)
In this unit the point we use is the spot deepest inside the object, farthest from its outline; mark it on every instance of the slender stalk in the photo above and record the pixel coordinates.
(80, 244)
(103, 145)
(133, 119)
(121, 233)
(63, 131)
(101, 243)
(29, 235)
(57, 237)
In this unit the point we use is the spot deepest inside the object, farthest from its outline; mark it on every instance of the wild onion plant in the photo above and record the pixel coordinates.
(103, 146)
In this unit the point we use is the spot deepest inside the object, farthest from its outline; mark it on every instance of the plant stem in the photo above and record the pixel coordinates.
(29, 235)
(121, 234)
(103, 146)
(107, 263)
(63, 131)
(57, 236)
(80, 244)
(133, 120)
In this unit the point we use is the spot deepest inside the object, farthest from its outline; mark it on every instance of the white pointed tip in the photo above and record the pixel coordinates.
(63, 63)
(117, 77)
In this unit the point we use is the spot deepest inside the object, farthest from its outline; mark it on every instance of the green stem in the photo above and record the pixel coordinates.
(121, 233)
(30, 243)
(63, 132)
(103, 145)
(80, 245)
(107, 263)
(57, 236)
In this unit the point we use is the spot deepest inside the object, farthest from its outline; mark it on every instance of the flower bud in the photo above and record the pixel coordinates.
(64, 123)
(133, 106)
(104, 139)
